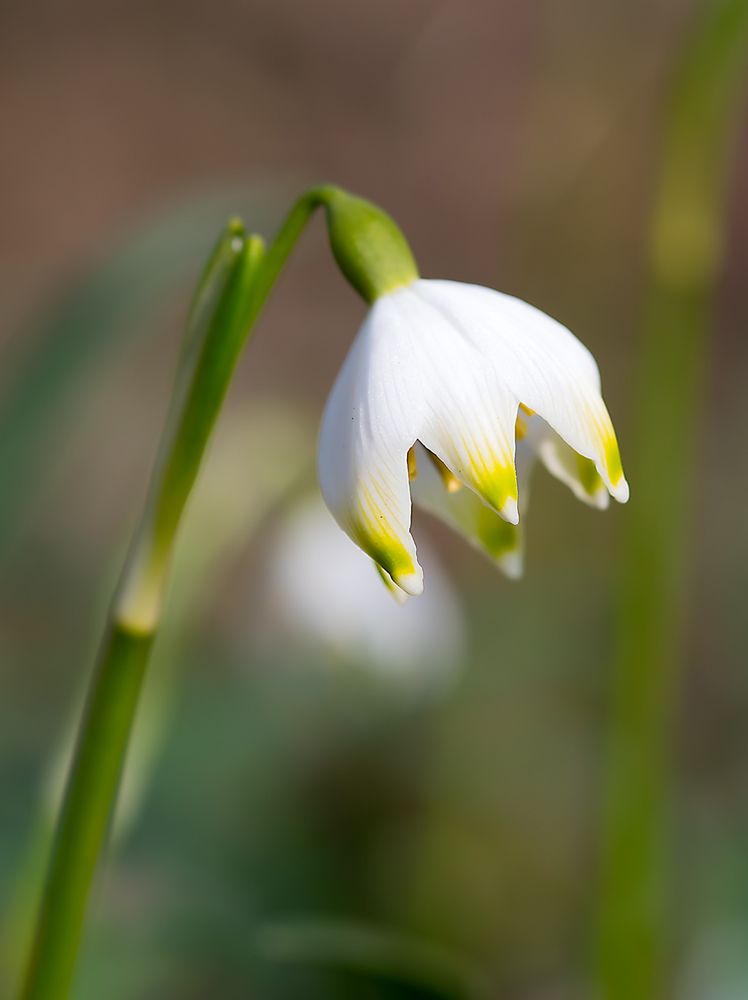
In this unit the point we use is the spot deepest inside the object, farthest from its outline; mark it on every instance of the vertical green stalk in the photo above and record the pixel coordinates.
(686, 253)
(85, 816)
(216, 333)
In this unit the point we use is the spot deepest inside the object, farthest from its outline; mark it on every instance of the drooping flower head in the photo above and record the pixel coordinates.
(452, 389)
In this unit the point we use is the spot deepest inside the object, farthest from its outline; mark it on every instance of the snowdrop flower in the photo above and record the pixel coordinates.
(452, 374)
(418, 647)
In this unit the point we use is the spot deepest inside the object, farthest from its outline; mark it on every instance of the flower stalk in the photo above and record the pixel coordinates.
(216, 333)
(86, 811)
(686, 251)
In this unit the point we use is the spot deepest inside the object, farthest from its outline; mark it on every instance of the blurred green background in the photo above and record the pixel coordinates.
(304, 826)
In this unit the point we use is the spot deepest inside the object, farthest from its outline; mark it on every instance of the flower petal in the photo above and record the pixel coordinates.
(468, 415)
(542, 363)
(466, 513)
(370, 421)
(572, 469)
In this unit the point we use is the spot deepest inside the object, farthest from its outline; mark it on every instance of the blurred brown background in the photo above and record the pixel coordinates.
(517, 146)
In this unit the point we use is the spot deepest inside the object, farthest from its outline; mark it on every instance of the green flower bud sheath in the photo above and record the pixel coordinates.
(375, 258)
(370, 249)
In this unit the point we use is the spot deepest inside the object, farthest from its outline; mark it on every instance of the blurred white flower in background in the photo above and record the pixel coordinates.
(320, 588)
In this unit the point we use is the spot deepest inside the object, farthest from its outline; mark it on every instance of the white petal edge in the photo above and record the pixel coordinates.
(370, 421)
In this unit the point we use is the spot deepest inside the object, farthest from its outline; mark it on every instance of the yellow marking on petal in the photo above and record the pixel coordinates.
(388, 552)
(520, 428)
(494, 479)
(612, 458)
(497, 485)
(451, 483)
(527, 410)
(372, 533)
(412, 465)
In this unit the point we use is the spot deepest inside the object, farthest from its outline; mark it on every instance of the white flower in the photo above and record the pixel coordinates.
(449, 365)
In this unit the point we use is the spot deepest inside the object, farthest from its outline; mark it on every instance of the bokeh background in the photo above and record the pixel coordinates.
(304, 823)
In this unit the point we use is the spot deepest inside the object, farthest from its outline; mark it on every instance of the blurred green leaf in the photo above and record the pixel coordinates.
(369, 950)
(636, 919)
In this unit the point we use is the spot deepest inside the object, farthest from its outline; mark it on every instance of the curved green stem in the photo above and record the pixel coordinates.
(634, 935)
(234, 287)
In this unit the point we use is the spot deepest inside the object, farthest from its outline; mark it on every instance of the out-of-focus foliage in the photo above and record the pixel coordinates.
(688, 239)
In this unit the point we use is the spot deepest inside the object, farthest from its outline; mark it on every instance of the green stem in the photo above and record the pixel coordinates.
(86, 810)
(235, 286)
(687, 241)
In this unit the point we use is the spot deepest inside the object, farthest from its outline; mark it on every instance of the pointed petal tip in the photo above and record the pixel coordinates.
(411, 582)
(510, 510)
(620, 491)
(395, 556)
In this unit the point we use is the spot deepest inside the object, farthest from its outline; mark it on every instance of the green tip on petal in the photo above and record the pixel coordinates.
(375, 539)
(497, 487)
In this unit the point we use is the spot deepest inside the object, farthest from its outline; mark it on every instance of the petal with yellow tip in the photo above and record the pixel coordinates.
(370, 422)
